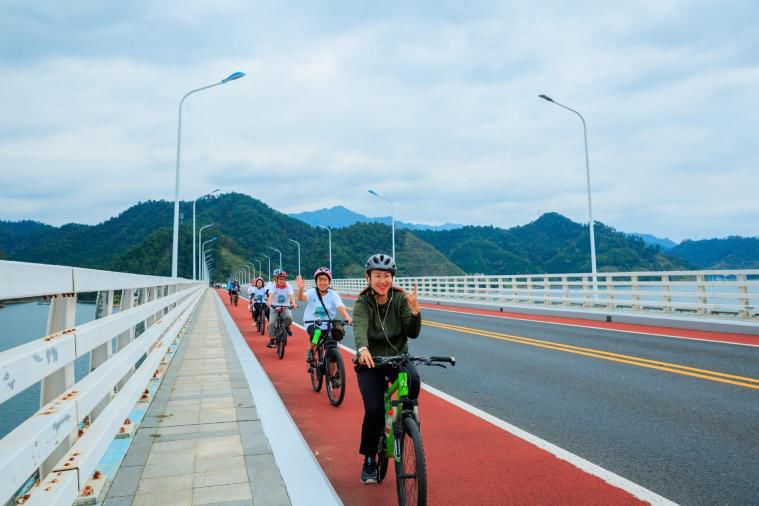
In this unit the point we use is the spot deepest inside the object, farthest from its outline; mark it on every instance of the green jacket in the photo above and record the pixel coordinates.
(399, 324)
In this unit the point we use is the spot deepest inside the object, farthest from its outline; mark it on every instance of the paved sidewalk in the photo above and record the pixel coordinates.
(202, 441)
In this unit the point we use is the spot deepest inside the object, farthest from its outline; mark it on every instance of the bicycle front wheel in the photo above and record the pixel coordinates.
(411, 469)
(281, 343)
(317, 375)
(382, 459)
(335, 377)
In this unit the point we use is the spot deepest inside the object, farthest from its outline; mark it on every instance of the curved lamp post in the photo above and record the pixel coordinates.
(175, 242)
(280, 256)
(298, 244)
(200, 237)
(590, 202)
(202, 246)
(194, 257)
(269, 259)
(392, 218)
(329, 230)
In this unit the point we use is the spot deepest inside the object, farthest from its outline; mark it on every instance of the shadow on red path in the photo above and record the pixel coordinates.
(469, 461)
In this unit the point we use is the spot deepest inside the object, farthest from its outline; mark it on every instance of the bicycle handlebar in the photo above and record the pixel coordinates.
(406, 358)
(319, 321)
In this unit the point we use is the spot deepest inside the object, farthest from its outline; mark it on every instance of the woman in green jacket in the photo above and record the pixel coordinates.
(384, 317)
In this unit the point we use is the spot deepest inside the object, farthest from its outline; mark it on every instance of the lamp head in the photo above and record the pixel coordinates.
(373, 193)
(546, 97)
(232, 77)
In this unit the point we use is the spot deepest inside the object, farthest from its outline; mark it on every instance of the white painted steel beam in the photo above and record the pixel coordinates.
(24, 449)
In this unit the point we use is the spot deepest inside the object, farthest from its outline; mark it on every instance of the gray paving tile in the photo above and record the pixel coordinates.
(266, 483)
(119, 501)
(126, 481)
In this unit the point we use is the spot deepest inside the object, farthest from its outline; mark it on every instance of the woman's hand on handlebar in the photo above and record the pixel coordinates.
(365, 358)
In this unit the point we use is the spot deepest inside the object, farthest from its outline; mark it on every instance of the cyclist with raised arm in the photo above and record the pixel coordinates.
(258, 297)
(322, 303)
(384, 318)
(280, 294)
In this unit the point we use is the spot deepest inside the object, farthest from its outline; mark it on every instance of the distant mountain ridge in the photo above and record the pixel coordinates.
(664, 243)
(339, 217)
(139, 240)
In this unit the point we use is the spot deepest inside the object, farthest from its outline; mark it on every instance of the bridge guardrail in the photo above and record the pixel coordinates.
(717, 292)
(53, 443)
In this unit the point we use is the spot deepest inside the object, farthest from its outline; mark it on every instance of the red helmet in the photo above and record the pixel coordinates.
(323, 270)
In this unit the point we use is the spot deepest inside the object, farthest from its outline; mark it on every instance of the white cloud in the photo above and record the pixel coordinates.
(434, 105)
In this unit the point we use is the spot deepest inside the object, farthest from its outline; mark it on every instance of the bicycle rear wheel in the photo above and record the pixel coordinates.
(336, 379)
(281, 342)
(411, 468)
(317, 374)
(261, 317)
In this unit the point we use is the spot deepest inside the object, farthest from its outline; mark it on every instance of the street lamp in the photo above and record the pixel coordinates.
(202, 246)
(280, 256)
(254, 268)
(200, 237)
(392, 217)
(590, 202)
(296, 242)
(193, 230)
(175, 243)
(329, 230)
(206, 259)
(269, 259)
(260, 270)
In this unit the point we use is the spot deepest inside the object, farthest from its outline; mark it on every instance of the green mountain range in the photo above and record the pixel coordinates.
(139, 241)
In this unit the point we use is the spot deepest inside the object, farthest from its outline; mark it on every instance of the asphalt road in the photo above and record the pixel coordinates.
(621, 400)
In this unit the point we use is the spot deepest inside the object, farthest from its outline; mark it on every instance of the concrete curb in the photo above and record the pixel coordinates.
(304, 478)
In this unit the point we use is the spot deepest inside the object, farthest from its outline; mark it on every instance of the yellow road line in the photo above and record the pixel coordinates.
(605, 355)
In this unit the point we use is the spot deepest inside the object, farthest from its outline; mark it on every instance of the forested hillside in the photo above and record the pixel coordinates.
(139, 241)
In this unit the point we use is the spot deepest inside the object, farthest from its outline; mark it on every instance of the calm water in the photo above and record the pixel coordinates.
(19, 324)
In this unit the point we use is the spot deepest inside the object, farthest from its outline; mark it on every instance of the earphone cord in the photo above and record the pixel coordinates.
(382, 320)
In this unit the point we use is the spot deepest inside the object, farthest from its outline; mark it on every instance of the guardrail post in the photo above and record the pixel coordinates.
(744, 300)
(702, 298)
(546, 290)
(530, 297)
(62, 316)
(151, 295)
(126, 337)
(634, 284)
(103, 352)
(565, 290)
(667, 307)
(609, 291)
(586, 295)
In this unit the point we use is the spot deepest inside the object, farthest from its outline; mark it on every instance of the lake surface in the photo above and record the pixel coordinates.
(22, 323)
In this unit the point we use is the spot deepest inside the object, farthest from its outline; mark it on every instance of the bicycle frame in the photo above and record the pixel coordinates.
(393, 409)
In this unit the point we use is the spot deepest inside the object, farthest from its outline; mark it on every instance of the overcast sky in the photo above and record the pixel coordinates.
(432, 104)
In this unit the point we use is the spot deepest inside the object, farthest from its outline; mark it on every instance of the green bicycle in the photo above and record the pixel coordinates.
(401, 439)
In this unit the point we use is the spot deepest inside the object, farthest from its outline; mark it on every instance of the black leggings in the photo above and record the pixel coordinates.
(257, 306)
(373, 383)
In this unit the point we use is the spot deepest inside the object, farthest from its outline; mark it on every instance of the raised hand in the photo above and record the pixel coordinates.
(299, 281)
(413, 303)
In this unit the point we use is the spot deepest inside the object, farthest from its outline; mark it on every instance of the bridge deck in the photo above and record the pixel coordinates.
(202, 441)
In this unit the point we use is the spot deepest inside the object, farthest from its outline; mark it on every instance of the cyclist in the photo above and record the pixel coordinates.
(234, 292)
(258, 296)
(384, 317)
(323, 302)
(280, 294)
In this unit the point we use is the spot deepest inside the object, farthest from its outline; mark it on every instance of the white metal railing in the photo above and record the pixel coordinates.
(64, 441)
(719, 292)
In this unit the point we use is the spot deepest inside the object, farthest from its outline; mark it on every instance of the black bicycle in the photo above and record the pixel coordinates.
(327, 361)
(261, 320)
(280, 333)
(401, 439)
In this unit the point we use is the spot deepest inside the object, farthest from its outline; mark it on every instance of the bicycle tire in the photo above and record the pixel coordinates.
(262, 330)
(336, 382)
(382, 459)
(281, 342)
(411, 468)
(317, 376)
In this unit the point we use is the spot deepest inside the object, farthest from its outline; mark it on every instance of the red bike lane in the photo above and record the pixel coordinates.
(469, 460)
